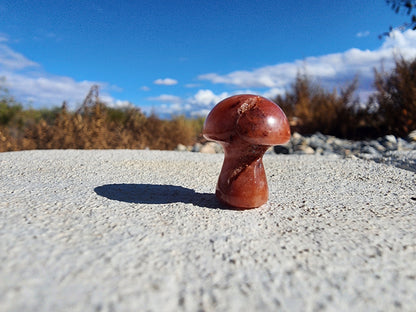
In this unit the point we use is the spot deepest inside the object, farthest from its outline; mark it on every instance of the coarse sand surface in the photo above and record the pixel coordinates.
(136, 230)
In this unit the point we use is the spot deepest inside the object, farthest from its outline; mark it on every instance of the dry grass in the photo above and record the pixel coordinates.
(95, 126)
(311, 108)
(395, 99)
(390, 110)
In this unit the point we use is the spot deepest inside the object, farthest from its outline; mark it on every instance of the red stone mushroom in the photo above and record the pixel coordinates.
(246, 126)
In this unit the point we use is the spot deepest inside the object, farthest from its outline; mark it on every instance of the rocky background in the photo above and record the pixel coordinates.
(321, 144)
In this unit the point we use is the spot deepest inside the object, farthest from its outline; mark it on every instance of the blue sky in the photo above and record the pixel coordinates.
(176, 57)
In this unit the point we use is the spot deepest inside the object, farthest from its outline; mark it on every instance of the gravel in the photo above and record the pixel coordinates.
(320, 144)
(130, 230)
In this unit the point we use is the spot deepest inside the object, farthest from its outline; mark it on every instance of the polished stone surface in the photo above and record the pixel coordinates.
(246, 126)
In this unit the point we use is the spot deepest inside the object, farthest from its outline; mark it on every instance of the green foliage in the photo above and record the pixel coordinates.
(118, 115)
(9, 108)
(8, 112)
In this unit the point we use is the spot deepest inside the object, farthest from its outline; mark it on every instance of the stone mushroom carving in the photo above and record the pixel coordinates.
(246, 126)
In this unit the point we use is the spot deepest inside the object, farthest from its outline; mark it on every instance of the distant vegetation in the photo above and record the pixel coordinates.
(390, 110)
(93, 126)
(309, 107)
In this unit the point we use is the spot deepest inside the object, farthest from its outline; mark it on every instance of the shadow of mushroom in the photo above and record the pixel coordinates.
(157, 194)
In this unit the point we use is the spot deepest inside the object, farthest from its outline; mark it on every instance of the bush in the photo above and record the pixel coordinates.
(390, 110)
(9, 108)
(310, 108)
(395, 98)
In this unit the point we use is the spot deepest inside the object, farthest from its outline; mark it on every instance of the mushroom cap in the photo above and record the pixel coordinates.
(253, 118)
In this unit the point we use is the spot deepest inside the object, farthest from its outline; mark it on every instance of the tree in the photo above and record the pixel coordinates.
(406, 6)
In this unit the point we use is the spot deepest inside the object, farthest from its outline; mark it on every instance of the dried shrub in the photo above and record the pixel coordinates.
(96, 126)
(395, 99)
(311, 108)
(390, 110)
(7, 141)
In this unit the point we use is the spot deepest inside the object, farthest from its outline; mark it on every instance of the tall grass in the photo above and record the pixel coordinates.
(96, 126)
(310, 108)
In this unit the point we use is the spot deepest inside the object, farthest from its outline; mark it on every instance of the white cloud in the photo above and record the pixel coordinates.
(165, 82)
(11, 60)
(330, 69)
(362, 34)
(29, 84)
(273, 92)
(111, 102)
(198, 104)
(201, 103)
(145, 88)
(206, 98)
(50, 91)
(166, 98)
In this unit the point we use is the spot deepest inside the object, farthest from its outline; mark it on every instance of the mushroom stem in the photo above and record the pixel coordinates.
(242, 182)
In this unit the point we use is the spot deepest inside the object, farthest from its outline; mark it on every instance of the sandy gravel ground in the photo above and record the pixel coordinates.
(121, 230)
